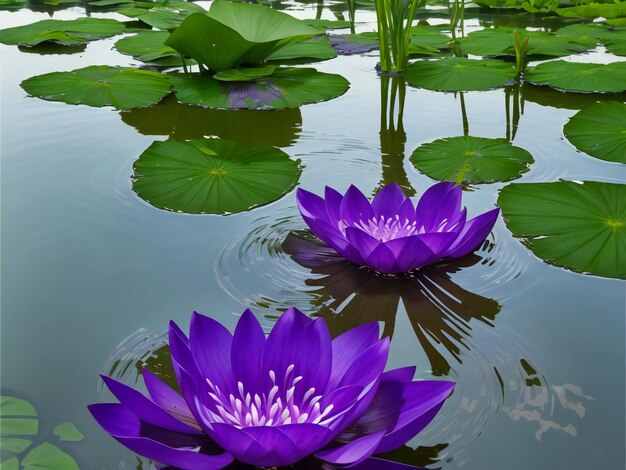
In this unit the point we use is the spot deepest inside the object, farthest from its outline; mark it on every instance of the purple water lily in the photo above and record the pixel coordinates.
(273, 401)
(390, 235)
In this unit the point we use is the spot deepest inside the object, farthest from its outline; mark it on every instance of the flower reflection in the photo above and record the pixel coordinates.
(439, 309)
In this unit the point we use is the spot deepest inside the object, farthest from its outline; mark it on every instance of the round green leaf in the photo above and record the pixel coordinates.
(212, 176)
(600, 131)
(10, 464)
(149, 47)
(311, 49)
(122, 88)
(580, 226)
(48, 457)
(285, 88)
(18, 417)
(459, 74)
(471, 160)
(67, 33)
(66, 431)
(572, 76)
(499, 41)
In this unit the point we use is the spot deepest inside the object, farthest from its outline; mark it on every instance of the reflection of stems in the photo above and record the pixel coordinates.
(464, 115)
(512, 119)
(392, 134)
(320, 9)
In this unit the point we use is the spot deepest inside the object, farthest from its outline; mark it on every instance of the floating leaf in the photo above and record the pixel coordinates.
(580, 226)
(500, 41)
(212, 176)
(594, 10)
(328, 24)
(14, 445)
(66, 431)
(315, 48)
(459, 74)
(600, 131)
(166, 15)
(122, 88)
(285, 88)
(613, 39)
(244, 74)
(48, 457)
(572, 76)
(67, 33)
(149, 47)
(471, 160)
(428, 40)
(236, 34)
(18, 417)
(10, 464)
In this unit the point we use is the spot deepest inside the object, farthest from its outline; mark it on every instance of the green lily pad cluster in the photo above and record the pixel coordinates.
(20, 429)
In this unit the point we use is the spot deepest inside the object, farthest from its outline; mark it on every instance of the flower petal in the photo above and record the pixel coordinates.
(247, 352)
(168, 399)
(311, 205)
(440, 202)
(355, 207)
(383, 260)
(210, 345)
(335, 239)
(305, 343)
(374, 463)
(474, 232)
(401, 375)
(354, 452)
(144, 408)
(333, 203)
(362, 241)
(388, 200)
(348, 346)
(369, 366)
(438, 242)
(126, 428)
(402, 409)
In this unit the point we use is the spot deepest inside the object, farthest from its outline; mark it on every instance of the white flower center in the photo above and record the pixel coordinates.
(274, 408)
(385, 229)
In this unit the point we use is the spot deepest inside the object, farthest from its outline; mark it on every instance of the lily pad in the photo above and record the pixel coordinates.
(181, 121)
(48, 457)
(67, 33)
(149, 47)
(459, 74)
(600, 131)
(499, 42)
(581, 77)
(237, 34)
(328, 24)
(244, 74)
(579, 226)
(471, 160)
(285, 88)
(594, 10)
(67, 432)
(311, 49)
(19, 425)
(122, 88)
(213, 176)
(428, 40)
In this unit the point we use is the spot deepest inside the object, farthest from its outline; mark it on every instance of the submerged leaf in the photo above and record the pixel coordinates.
(48, 457)
(212, 176)
(600, 131)
(18, 417)
(122, 88)
(580, 226)
(470, 160)
(66, 431)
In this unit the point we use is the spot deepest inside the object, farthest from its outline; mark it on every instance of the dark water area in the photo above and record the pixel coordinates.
(92, 274)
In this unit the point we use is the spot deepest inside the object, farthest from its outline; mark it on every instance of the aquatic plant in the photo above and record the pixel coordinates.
(390, 235)
(233, 35)
(394, 18)
(272, 401)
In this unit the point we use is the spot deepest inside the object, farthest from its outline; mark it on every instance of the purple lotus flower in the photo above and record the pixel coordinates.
(273, 401)
(389, 234)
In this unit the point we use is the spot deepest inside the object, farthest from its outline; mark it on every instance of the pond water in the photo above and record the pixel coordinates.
(91, 273)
